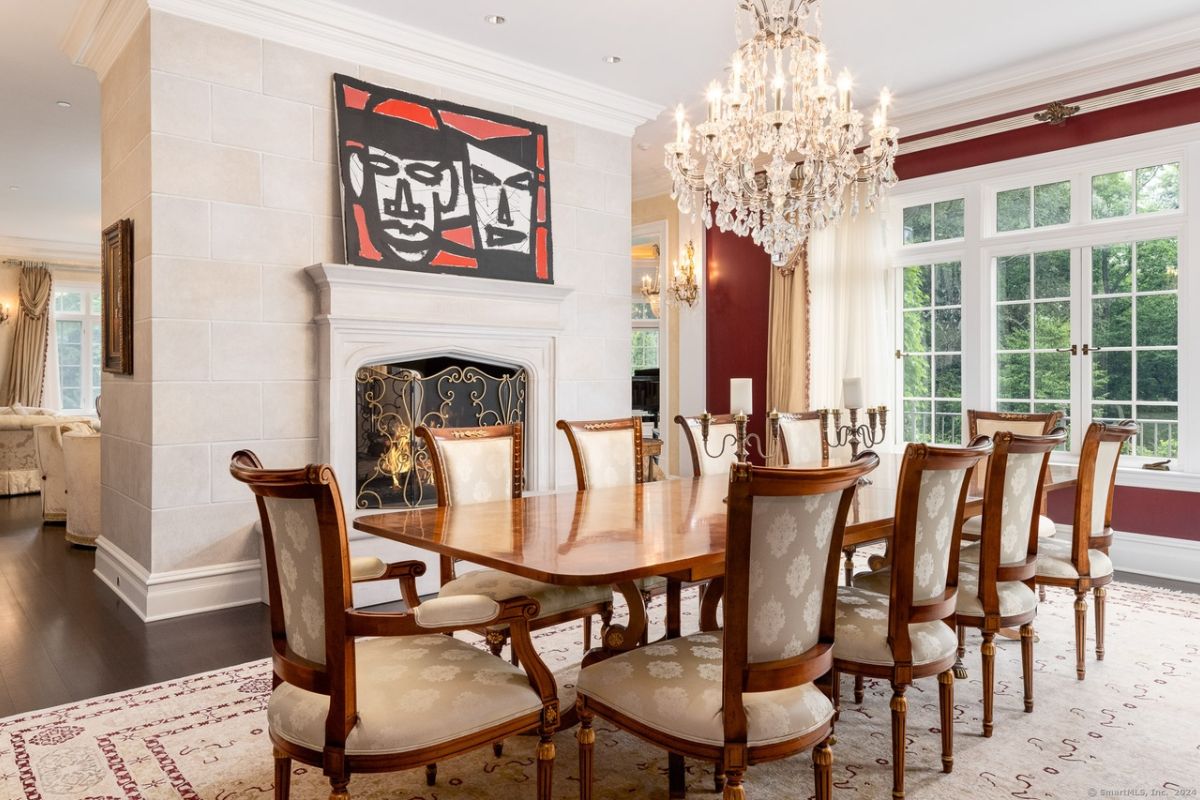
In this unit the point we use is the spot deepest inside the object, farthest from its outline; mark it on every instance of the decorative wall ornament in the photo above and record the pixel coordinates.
(117, 292)
(432, 186)
(1057, 113)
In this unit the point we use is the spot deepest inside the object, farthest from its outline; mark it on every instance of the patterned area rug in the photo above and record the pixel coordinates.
(1129, 730)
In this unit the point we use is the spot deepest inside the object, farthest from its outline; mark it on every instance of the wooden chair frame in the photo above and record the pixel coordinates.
(1082, 539)
(740, 676)
(694, 445)
(336, 678)
(918, 458)
(1048, 419)
(992, 572)
(570, 428)
(432, 437)
(802, 416)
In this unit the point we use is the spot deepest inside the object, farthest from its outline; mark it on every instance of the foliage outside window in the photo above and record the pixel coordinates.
(934, 222)
(1135, 326)
(645, 348)
(1143, 191)
(77, 336)
(1033, 206)
(932, 352)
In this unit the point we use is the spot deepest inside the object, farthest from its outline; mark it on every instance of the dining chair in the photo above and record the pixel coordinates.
(348, 704)
(702, 463)
(909, 632)
(745, 694)
(801, 439)
(1083, 563)
(989, 423)
(478, 465)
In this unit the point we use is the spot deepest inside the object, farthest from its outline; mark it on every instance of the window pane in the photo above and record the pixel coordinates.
(1012, 373)
(917, 376)
(1012, 327)
(1158, 188)
(1052, 204)
(1112, 322)
(1012, 210)
(948, 219)
(1052, 325)
(1052, 376)
(1112, 195)
(1012, 278)
(1158, 431)
(642, 310)
(1052, 274)
(948, 284)
(1157, 265)
(1112, 269)
(1112, 413)
(947, 330)
(72, 397)
(947, 425)
(948, 370)
(68, 301)
(1157, 375)
(917, 287)
(917, 224)
(1021, 407)
(918, 421)
(1112, 376)
(644, 353)
(918, 333)
(1157, 320)
(97, 308)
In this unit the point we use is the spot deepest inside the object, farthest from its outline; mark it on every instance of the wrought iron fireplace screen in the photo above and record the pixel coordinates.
(393, 400)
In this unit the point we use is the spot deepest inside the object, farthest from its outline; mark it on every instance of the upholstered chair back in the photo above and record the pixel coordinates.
(1097, 477)
(702, 463)
(990, 423)
(607, 452)
(1019, 502)
(475, 465)
(295, 547)
(801, 439)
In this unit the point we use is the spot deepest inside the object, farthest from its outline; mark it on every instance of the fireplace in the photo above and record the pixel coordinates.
(394, 399)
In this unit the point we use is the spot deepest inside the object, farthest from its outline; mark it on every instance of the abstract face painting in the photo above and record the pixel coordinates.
(437, 187)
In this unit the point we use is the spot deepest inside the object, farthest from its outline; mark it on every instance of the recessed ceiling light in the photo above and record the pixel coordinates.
(612, 59)
(494, 19)
(643, 146)
(63, 104)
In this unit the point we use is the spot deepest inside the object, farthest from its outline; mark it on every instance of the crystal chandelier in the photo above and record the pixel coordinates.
(781, 146)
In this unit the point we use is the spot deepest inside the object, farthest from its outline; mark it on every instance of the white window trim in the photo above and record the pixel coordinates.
(86, 343)
(978, 186)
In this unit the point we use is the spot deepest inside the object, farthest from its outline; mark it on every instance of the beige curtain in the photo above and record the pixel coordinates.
(27, 367)
(787, 336)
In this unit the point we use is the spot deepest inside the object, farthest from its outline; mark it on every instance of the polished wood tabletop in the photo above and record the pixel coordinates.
(674, 527)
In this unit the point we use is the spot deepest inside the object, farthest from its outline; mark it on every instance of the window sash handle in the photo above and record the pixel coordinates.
(1090, 349)
(1073, 350)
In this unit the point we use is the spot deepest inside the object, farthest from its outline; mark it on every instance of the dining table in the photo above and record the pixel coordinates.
(621, 535)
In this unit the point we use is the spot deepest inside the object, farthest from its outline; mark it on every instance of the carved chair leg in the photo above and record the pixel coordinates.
(719, 776)
(283, 775)
(1027, 664)
(1099, 593)
(1080, 632)
(899, 707)
(988, 652)
(430, 774)
(733, 786)
(858, 690)
(823, 770)
(835, 691)
(606, 616)
(849, 566)
(587, 745)
(338, 790)
(946, 707)
(1041, 592)
(960, 669)
(545, 767)
(498, 748)
(645, 637)
(587, 633)
(676, 784)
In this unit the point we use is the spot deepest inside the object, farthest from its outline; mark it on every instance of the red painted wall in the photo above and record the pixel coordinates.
(1155, 512)
(738, 287)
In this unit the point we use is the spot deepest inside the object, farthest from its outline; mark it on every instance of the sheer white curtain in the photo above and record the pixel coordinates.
(849, 313)
(51, 394)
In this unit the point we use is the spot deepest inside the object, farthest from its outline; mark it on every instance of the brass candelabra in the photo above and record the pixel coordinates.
(869, 433)
(741, 439)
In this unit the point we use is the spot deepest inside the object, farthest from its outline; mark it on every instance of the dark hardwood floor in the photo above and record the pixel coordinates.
(64, 636)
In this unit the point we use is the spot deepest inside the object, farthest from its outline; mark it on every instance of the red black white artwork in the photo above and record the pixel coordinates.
(432, 186)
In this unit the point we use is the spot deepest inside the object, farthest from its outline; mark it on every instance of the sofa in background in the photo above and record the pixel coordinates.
(19, 471)
(48, 439)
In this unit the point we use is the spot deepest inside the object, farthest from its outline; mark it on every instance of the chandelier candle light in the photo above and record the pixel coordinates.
(741, 403)
(781, 145)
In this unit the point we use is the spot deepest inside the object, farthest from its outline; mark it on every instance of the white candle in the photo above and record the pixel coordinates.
(741, 396)
(852, 393)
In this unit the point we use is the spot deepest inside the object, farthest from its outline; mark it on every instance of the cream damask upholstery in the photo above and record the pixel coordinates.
(48, 446)
(1015, 597)
(1106, 461)
(608, 457)
(367, 568)
(81, 459)
(676, 687)
(477, 470)
(1054, 561)
(789, 550)
(802, 437)
(462, 611)
(937, 505)
(862, 631)
(295, 536)
(552, 599)
(716, 435)
(413, 692)
(1046, 526)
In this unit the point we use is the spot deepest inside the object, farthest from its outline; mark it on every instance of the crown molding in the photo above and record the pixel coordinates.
(351, 34)
(99, 30)
(1094, 67)
(74, 254)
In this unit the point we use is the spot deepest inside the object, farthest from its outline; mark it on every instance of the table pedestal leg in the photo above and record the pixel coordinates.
(615, 637)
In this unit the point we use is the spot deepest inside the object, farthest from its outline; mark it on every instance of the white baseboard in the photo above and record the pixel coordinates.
(176, 593)
(1156, 556)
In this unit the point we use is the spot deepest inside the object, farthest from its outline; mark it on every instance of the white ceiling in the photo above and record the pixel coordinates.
(670, 49)
(51, 153)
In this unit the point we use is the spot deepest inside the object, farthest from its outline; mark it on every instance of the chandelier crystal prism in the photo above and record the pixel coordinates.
(782, 151)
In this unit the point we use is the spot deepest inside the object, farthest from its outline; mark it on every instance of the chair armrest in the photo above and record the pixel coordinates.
(461, 611)
(515, 612)
(405, 571)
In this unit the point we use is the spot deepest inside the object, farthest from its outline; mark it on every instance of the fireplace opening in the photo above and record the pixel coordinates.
(393, 469)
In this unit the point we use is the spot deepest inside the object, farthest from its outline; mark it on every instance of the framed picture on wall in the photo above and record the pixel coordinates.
(433, 186)
(116, 286)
